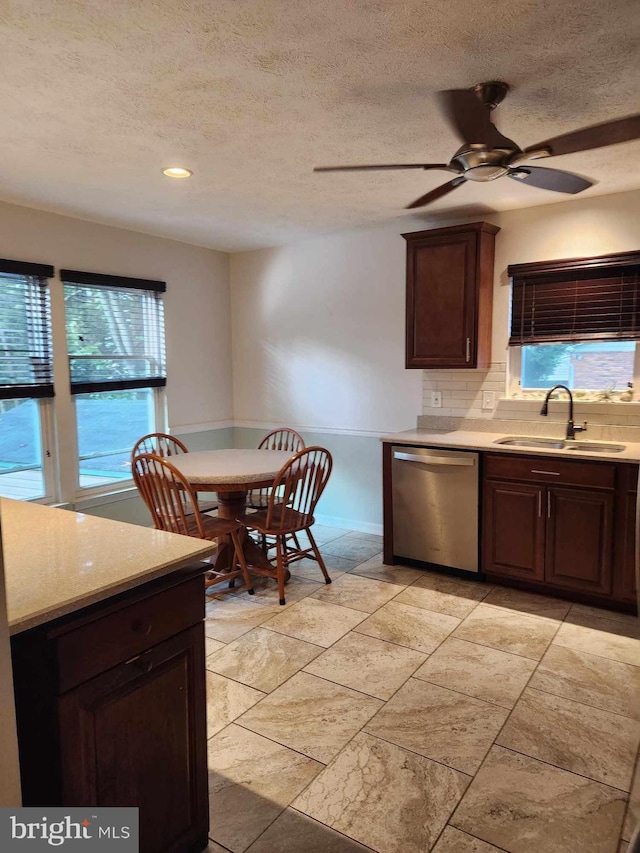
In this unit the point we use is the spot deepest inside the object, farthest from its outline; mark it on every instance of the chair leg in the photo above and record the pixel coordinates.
(239, 556)
(281, 567)
(318, 555)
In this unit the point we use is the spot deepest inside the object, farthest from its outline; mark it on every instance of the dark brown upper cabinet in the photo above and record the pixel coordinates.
(449, 296)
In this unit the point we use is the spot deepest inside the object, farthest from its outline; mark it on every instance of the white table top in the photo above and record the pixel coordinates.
(57, 561)
(230, 467)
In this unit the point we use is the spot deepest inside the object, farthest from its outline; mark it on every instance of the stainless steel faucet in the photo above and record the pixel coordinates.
(572, 429)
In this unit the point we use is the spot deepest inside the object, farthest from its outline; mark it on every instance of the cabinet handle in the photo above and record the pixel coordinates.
(549, 473)
(468, 349)
(140, 627)
(539, 503)
(142, 664)
(548, 504)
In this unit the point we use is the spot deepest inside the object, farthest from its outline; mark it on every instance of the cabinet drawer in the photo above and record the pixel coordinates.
(551, 470)
(96, 646)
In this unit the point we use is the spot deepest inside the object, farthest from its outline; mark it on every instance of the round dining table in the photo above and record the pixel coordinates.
(232, 474)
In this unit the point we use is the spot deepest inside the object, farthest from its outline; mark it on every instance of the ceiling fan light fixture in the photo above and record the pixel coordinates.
(177, 172)
(485, 172)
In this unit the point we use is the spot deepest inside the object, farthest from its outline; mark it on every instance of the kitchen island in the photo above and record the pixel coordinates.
(107, 646)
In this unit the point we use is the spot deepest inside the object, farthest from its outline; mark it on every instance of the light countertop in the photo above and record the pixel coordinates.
(57, 561)
(230, 467)
(468, 440)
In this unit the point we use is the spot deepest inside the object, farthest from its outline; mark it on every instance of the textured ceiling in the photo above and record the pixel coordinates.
(98, 95)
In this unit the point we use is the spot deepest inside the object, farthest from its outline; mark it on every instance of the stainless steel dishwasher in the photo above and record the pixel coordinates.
(435, 506)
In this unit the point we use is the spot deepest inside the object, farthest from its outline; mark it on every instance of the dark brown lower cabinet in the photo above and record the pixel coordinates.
(579, 540)
(133, 734)
(562, 526)
(514, 530)
(625, 580)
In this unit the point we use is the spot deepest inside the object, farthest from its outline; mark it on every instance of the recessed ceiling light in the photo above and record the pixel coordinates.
(177, 172)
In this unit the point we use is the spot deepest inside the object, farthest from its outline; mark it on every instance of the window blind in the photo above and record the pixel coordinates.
(115, 332)
(565, 301)
(26, 362)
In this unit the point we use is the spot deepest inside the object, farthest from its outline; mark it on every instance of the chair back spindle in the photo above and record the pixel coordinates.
(282, 439)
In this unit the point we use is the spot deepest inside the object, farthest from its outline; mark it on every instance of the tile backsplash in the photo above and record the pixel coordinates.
(461, 390)
(462, 397)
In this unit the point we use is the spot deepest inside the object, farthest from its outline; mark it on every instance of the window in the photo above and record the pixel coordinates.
(601, 365)
(115, 343)
(26, 380)
(576, 322)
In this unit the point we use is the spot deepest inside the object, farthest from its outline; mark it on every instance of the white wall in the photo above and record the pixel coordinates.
(318, 327)
(196, 302)
(318, 335)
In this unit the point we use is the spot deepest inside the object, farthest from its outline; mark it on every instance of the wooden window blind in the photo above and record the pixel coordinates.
(115, 332)
(576, 300)
(26, 361)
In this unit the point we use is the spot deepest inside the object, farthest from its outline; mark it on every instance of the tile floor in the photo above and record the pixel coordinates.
(401, 711)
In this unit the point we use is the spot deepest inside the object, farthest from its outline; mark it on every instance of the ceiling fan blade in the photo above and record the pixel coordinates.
(596, 136)
(388, 166)
(550, 179)
(437, 193)
(471, 119)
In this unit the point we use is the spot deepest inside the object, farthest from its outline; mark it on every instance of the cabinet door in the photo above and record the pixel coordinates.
(441, 301)
(136, 736)
(513, 530)
(579, 539)
(628, 567)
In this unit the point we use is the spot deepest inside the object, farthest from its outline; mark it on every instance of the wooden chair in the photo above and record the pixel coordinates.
(284, 438)
(165, 445)
(159, 443)
(173, 506)
(290, 507)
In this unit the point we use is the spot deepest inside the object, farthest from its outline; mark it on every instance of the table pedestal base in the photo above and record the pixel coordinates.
(233, 505)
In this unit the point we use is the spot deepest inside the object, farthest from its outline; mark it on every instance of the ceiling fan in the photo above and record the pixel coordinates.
(486, 154)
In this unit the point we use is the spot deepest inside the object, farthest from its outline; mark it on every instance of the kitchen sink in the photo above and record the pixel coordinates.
(561, 444)
(594, 446)
(523, 441)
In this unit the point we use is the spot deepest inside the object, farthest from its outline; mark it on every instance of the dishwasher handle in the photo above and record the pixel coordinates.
(468, 461)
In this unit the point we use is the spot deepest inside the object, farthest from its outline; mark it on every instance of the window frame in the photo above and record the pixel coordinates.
(77, 278)
(44, 274)
(125, 484)
(605, 264)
